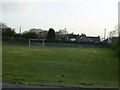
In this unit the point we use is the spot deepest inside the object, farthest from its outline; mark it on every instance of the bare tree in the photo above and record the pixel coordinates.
(115, 32)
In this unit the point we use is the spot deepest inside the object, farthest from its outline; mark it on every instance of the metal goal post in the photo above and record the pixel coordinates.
(43, 41)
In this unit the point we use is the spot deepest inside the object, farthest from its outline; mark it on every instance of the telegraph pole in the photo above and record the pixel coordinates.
(104, 33)
(20, 29)
(65, 31)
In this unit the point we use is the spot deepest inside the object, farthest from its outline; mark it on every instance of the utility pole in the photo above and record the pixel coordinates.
(65, 31)
(20, 29)
(104, 33)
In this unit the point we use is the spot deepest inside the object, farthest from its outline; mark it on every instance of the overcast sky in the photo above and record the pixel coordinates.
(78, 16)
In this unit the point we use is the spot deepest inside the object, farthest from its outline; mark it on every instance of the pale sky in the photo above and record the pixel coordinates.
(78, 16)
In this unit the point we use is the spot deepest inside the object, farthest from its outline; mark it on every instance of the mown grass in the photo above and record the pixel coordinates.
(84, 67)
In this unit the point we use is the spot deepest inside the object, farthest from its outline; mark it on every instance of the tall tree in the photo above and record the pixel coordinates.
(6, 31)
(51, 34)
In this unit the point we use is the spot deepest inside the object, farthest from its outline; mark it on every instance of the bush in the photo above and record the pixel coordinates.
(32, 35)
(118, 45)
(8, 32)
(115, 46)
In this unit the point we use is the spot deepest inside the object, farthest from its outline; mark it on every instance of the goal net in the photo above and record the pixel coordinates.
(36, 42)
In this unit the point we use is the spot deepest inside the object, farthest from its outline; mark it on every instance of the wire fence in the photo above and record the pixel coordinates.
(14, 41)
(52, 43)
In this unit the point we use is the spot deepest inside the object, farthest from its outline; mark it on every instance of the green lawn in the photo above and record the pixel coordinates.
(84, 67)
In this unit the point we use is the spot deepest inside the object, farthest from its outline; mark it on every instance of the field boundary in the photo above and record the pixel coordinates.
(54, 86)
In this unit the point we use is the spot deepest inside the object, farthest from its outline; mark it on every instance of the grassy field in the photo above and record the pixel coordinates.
(84, 67)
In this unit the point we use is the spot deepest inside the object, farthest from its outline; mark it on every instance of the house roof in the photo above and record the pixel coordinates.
(72, 36)
(83, 37)
(95, 39)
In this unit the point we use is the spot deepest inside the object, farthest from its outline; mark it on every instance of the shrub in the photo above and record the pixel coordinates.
(32, 35)
(115, 46)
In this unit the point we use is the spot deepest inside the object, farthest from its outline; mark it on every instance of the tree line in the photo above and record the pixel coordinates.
(10, 32)
(50, 36)
(33, 33)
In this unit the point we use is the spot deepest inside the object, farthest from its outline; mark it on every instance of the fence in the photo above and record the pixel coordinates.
(55, 43)
(14, 41)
